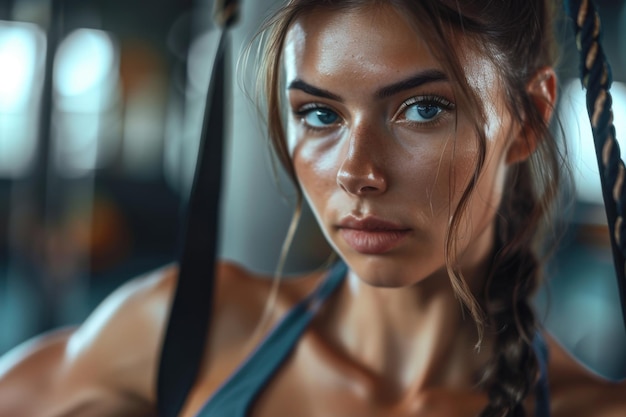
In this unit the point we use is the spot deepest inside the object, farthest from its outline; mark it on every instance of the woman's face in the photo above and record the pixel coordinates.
(382, 150)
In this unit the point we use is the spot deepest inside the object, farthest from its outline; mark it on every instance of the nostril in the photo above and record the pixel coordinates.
(366, 182)
(368, 189)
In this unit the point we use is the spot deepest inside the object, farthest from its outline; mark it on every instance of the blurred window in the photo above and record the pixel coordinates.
(86, 129)
(22, 54)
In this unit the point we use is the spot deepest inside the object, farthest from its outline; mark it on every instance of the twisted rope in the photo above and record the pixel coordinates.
(596, 77)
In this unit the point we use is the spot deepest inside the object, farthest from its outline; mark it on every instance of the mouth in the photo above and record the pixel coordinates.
(372, 236)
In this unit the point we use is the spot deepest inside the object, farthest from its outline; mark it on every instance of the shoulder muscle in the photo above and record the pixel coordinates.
(105, 367)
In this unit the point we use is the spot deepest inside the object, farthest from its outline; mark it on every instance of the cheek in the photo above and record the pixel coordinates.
(486, 197)
(316, 169)
(448, 172)
(454, 172)
(491, 182)
(305, 162)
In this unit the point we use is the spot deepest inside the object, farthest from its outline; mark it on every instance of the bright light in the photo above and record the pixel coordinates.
(22, 54)
(85, 60)
(580, 138)
(21, 51)
(86, 73)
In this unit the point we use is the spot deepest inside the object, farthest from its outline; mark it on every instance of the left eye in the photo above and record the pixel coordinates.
(422, 112)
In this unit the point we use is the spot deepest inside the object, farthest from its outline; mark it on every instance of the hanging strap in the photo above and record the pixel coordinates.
(189, 316)
(595, 73)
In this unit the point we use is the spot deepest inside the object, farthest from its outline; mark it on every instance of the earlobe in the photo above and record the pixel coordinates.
(542, 90)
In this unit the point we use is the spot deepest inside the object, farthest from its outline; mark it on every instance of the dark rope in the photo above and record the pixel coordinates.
(595, 73)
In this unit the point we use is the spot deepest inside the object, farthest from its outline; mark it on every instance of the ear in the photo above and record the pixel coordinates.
(542, 90)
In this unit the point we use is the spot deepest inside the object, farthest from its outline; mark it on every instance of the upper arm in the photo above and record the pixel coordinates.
(106, 367)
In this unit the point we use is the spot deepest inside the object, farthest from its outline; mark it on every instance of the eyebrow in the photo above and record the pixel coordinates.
(421, 78)
(298, 84)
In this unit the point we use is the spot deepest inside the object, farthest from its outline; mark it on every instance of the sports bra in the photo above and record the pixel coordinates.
(238, 393)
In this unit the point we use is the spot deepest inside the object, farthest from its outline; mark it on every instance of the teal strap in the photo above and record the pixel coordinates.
(542, 392)
(235, 397)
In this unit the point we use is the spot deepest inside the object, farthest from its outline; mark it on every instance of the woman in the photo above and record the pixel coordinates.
(418, 132)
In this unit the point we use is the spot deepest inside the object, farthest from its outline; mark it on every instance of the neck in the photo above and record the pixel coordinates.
(408, 339)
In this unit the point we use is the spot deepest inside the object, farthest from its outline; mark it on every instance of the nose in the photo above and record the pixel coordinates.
(362, 171)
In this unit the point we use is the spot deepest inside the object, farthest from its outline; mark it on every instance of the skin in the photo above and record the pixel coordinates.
(392, 340)
(357, 167)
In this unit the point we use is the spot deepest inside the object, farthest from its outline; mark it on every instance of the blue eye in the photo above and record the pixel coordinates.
(424, 110)
(319, 117)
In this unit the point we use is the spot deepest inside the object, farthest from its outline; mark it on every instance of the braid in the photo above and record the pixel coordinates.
(513, 370)
(514, 365)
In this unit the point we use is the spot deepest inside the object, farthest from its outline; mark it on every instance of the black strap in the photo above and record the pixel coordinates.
(190, 312)
(189, 316)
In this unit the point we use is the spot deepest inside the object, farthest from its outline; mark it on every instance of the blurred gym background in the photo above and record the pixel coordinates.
(100, 113)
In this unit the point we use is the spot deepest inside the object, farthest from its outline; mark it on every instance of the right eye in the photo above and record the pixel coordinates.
(318, 117)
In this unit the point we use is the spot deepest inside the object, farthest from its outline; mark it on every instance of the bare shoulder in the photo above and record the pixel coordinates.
(108, 365)
(576, 391)
(126, 332)
(104, 367)
(120, 341)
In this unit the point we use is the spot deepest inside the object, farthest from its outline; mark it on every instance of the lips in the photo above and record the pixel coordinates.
(371, 235)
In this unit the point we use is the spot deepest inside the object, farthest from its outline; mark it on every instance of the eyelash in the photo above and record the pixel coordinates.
(428, 100)
(306, 109)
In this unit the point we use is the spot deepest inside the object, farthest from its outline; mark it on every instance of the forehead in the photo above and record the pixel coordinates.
(373, 44)
(369, 39)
